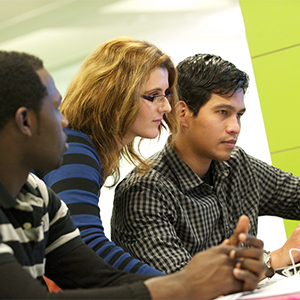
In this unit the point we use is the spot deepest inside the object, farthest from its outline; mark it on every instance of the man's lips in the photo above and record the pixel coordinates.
(232, 142)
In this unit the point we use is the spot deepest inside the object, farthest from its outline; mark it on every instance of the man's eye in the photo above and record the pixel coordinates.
(223, 112)
(239, 115)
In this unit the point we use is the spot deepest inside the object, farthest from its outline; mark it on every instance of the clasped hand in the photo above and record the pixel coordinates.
(218, 271)
(227, 268)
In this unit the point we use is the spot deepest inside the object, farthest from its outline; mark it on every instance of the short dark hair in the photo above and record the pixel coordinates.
(20, 85)
(203, 74)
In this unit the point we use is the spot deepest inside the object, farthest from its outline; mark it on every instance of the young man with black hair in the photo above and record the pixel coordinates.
(201, 182)
(37, 234)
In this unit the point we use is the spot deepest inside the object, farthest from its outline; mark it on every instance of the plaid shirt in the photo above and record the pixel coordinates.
(169, 214)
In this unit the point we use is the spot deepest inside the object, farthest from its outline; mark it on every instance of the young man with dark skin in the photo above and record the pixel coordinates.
(37, 235)
(201, 183)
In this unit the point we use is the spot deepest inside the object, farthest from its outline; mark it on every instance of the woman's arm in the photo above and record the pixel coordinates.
(77, 182)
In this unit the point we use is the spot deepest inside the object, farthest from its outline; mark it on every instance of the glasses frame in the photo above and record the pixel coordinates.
(153, 98)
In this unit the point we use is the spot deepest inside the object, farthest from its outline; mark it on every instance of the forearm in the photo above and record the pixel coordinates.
(168, 288)
(166, 255)
(71, 271)
(18, 284)
(282, 256)
(93, 235)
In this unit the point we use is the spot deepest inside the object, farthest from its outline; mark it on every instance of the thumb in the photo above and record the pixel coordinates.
(241, 227)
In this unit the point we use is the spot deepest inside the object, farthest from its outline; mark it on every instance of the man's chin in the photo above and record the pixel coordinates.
(223, 157)
(56, 165)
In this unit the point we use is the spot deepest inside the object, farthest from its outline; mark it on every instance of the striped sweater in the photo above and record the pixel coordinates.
(31, 226)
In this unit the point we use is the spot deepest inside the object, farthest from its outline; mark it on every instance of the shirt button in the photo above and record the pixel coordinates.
(27, 225)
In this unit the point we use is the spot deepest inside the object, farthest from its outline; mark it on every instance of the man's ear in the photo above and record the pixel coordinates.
(183, 112)
(23, 118)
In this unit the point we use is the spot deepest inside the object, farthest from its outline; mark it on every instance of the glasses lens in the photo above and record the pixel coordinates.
(161, 99)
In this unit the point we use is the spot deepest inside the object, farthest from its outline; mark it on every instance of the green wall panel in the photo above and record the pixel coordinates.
(272, 29)
(271, 24)
(278, 80)
(290, 226)
(287, 161)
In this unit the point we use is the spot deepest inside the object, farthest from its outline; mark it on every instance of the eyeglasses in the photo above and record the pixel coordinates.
(157, 99)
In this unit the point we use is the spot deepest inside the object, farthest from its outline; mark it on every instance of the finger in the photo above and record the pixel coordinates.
(250, 279)
(232, 254)
(224, 248)
(253, 253)
(241, 227)
(251, 240)
(254, 266)
(226, 242)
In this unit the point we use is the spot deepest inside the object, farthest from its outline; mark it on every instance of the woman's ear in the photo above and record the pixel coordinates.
(23, 118)
(184, 113)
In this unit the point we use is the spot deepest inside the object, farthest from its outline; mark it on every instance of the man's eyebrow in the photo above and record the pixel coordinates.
(228, 106)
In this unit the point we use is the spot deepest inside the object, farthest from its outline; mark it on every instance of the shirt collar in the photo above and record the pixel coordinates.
(7, 200)
(187, 178)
